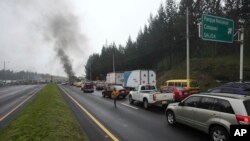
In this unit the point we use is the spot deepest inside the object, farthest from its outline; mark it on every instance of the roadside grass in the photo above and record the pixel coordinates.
(46, 118)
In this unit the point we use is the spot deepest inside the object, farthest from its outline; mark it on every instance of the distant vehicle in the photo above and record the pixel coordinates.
(87, 87)
(100, 85)
(133, 79)
(115, 78)
(149, 96)
(211, 113)
(108, 90)
(233, 88)
(78, 84)
(179, 93)
(189, 84)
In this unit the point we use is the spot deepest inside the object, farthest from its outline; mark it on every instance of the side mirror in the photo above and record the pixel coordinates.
(181, 104)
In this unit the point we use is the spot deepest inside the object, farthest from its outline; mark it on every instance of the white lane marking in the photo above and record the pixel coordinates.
(20, 104)
(129, 106)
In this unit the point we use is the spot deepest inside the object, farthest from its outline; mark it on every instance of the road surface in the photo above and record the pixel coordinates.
(125, 123)
(13, 99)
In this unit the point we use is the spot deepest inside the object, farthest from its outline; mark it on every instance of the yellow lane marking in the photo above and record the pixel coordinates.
(112, 136)
(15, 108)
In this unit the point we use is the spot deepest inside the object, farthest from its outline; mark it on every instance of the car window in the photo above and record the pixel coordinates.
(217, 90)
(223, 106)
(169, 89)
(180, 88)
(143, 88)
(184, 84)
(227, 90)
(171, 84)
(193, 101)
(207, 103)
(178, 84)
(247, 106)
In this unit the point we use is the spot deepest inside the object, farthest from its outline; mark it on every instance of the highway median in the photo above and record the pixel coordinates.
(47, 117)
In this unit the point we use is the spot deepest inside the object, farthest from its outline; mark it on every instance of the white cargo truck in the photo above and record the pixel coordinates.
(133, 79)
(115, 78)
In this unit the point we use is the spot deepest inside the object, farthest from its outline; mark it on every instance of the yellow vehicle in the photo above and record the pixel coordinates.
(189, 84)
(78, 84)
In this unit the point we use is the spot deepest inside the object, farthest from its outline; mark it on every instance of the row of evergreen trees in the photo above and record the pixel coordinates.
(21, 75)
(162, 43)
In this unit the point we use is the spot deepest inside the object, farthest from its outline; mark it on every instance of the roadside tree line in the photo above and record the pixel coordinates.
(162, 43)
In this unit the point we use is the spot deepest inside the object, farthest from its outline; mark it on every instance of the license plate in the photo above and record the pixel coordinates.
(164, 102)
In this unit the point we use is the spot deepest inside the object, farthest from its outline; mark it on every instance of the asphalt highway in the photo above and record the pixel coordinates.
(13, 99)
(102, 121)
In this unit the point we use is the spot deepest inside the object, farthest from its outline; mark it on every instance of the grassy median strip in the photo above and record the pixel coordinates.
(46, 118)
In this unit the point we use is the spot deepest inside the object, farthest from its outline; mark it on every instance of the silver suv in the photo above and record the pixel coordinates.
(212, 113)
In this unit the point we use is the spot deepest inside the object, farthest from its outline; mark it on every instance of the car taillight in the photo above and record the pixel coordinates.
(243, 120)
(154, 97)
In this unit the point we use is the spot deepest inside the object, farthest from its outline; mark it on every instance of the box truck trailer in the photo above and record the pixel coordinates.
(133, 79)
(115, 78)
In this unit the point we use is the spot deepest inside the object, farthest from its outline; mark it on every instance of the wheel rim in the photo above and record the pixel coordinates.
(170, 118)
(130, 99)
(218, 136)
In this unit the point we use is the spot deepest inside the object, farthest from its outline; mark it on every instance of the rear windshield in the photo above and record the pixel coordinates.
(180, 88)
(247, 106)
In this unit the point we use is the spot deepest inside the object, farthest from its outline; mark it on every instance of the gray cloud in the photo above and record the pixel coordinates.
(39, 35)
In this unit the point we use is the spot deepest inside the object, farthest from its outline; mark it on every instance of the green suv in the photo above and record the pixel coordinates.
(211, 113)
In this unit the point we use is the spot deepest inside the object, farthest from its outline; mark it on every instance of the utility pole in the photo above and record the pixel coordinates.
(241, 52)
(187, 36)
(113, 62)
(90, 72)
(4, 72)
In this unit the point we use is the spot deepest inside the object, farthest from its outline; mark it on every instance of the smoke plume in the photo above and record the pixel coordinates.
(64, 30)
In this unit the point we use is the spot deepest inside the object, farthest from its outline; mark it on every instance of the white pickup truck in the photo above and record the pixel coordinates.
(149, 96)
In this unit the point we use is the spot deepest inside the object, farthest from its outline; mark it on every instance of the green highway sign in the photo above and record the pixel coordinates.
(218, 29)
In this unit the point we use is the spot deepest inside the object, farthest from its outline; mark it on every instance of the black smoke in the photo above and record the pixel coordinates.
(64, 30)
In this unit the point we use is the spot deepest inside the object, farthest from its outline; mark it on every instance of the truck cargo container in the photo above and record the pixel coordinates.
(115, 78)
(133, 79)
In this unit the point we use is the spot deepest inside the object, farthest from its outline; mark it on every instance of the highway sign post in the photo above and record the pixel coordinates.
(218, 29)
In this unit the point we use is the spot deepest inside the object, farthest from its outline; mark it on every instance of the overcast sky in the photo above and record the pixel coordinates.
(29, 41)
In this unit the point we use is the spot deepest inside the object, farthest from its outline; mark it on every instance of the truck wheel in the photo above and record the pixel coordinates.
(131, 101)
(145, 104)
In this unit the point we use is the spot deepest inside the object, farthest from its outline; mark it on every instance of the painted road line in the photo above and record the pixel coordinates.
(19, 105)
(111, 135)
(129, 106)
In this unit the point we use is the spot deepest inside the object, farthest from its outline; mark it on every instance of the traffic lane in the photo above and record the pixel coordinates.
(6, 91)
(133, 123)
(13, 97)
(14, 91)
(9, 111)
(93, 132)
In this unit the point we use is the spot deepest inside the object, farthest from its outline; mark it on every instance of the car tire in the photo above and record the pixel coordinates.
(145, 103)
(131, 101)
(103, 95)
(171, 118)
(218, 133)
